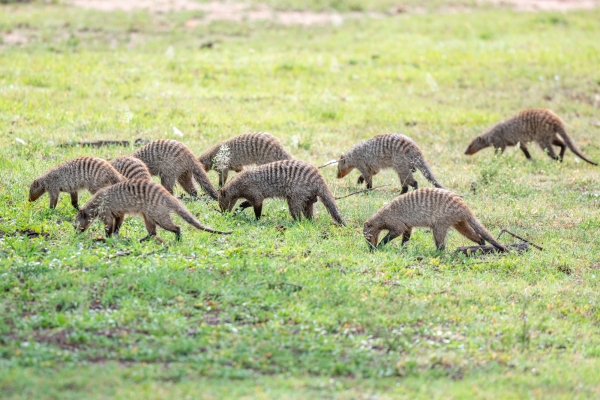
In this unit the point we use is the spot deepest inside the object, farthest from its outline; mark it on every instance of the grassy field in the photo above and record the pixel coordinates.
(290, 310)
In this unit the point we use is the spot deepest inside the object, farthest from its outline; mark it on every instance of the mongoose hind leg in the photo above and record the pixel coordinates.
(74, 200)
(309, 209)
(465, 229)
(168, 182)
(296, 207)
(166, 222)
(439, 236)
(563, 147)
(547, 146)
(187, 184)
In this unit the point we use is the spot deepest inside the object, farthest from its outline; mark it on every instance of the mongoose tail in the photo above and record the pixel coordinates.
(426, 171)
(189, 218)
(484, 233)
(571, 145)
(329, 202)
(201, 177)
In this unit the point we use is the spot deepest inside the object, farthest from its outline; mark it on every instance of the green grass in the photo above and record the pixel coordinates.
(304, 310)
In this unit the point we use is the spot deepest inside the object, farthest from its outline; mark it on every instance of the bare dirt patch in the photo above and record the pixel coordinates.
(237, 11)
(549, 5)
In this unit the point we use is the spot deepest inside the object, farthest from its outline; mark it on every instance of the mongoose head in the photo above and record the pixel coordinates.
(226, 201)
(83, 219)
(206, 163)
(477, 144)
(371, 233)
(36, 190)
(344, 167)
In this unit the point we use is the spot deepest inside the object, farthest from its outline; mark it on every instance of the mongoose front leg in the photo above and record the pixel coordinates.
(258, 210)
(245, 204)
(150, 227)
(406, 235)
(563, 147)
(360, 180)
(525, 150)
(74, 200)
(118, 222)
(391, 235)
(439, 236)
(109, 225)
(404, 189)
(53, 199)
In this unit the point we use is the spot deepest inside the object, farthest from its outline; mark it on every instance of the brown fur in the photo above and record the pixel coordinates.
(131, 167)
(535, 125)
(89, 173)
(173, 162)
(296, 181)
(386, 151)
(137, 196)
(438, 209)
(249, 148)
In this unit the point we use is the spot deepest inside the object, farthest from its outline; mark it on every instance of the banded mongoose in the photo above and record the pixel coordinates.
(298, 182)
(394, 151)
(173, 162)
(136, 196)
(534, 125)
(89, 173)
(249, 148)
(438, 209)
(131, 167)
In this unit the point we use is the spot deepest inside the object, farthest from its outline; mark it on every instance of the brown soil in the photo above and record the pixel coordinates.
(237, 11)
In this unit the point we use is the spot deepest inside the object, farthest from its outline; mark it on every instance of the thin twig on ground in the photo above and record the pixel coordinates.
(360, 191)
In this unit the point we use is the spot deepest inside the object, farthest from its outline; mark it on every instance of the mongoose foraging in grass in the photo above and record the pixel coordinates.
(394, 151)
(89, 173)
(438, 209)
(137, 196)
(249, 148)
(296, 181)
(535, 125)
(173, 162)
(131, 167)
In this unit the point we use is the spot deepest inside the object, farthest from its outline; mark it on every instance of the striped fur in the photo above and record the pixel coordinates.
(136, 196)
(131, 167)
(394, 151)
(89, 173)
(249, 148)
(173, 162)
(295, 181)
(438, 209)
(535, 125)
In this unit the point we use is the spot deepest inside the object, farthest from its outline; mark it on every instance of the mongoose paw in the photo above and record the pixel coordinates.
(360, 180)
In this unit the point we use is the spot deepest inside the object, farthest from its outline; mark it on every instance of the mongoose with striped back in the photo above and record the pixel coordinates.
(535, 125)
(438, 209)
(136, 196)
(173, 162)
(131, 167)
(298, 182)
(89, 173)
(394, 151)
(246, 149)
